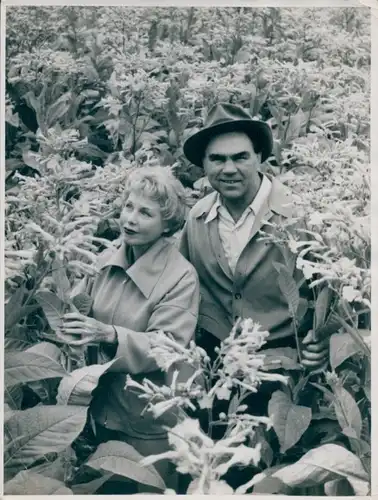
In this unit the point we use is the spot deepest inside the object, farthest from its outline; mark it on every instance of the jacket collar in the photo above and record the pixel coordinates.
(255, 206)
(147, 270)
(279, 201)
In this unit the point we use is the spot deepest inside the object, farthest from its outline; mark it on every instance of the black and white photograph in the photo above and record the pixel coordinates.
(187, 249)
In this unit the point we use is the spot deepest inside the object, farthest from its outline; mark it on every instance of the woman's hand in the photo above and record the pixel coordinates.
(88, 330)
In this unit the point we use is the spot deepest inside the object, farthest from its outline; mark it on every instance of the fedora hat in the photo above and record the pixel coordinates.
(225, 117)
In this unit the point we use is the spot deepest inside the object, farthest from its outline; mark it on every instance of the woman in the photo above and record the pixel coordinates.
(143, 287)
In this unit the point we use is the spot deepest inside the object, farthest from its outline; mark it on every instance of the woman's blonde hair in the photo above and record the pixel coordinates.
(159, 184)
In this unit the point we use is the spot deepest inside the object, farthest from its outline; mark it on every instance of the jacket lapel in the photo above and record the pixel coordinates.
(217, 247)
(277, 205)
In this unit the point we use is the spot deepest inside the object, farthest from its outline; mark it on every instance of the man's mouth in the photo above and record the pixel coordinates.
(129, 231)
(229, 181)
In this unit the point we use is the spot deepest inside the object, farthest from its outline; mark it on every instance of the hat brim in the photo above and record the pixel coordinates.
(258, 131)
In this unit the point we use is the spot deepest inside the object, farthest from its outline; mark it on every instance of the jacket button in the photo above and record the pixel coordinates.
(237, 295)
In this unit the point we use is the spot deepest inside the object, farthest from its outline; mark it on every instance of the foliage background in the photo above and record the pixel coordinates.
(94, 91)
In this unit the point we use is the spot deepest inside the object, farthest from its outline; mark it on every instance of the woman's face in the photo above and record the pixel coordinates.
(141, 221)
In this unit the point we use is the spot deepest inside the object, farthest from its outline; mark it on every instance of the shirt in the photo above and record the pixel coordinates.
(235, 235)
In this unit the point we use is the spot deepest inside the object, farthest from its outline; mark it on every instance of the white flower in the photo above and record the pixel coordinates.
(350, 294)
(306, 267)
(315, 219)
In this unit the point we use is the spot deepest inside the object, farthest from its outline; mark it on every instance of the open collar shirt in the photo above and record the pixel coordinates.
(234, 236)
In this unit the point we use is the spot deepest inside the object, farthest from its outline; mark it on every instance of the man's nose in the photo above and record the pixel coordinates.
(229, 166)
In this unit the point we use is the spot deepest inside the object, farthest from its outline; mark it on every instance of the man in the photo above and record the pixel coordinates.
(221, 236)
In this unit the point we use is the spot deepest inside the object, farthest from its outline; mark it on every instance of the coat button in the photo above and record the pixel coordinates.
(237, 295)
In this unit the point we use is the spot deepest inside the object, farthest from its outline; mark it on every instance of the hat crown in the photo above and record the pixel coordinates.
(224, 112)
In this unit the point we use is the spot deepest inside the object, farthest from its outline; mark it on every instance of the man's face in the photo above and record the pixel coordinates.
(231, 166)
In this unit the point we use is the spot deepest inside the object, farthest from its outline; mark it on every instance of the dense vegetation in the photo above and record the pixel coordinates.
(93, 91)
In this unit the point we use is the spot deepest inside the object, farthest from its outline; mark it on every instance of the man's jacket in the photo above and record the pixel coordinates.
(253, 290)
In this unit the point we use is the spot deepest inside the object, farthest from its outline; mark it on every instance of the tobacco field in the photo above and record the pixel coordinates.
(94, 91)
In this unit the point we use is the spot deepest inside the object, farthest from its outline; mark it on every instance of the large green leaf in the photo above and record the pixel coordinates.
(122, 459)
(282, 357)
(33, 433)
(90, 487)
(288, 287)
(338, 487)
(347, 411)
(58, 109)
(290, 421)
(83, 303)
(13, 310)
(77, 387)
(13, 396)
(33, 364)
(61, 469)
(320, 465)
(341, 347)
(59, 275)
(52, 306)
(321, 306)
(30, 483)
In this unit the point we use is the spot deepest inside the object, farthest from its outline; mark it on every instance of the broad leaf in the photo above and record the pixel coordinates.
(58, 109)
(52, 306)
(337, 488)
(288, 287)
(320, 465)
(341, 347)
(13, 396)
(347, 411)
(59, 275)
(8, 412)
(282, 357)
(123, 460)
(77, 387)
(83, 303)
(61, 468)
(30, 483)
(242, 56)
(264, 480)
(22, 367)
(37, 431)
(13, 310)
(46, 349)
(321, 306)
(294, 127)
(90, 487)
(290, 421)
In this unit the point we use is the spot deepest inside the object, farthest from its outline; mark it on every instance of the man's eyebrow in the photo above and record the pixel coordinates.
(240, 155)
(236, 156)
(216, 156)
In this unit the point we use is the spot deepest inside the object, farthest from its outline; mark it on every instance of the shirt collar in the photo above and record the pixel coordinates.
(255, 206)
(146, 271)
(279, 201)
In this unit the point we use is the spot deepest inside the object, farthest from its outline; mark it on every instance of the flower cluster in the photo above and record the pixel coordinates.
(239, 364)
(207, 461)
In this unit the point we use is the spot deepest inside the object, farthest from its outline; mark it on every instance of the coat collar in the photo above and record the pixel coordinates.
(147, 270)
(279, 201)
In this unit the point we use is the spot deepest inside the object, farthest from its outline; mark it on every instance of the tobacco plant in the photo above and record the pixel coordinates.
(93, 92)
